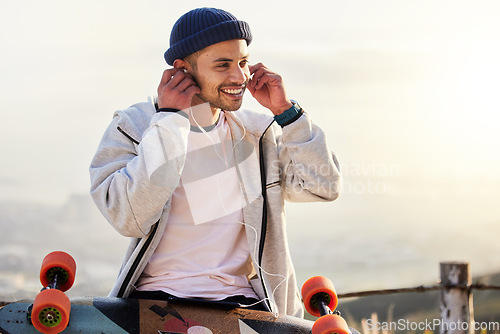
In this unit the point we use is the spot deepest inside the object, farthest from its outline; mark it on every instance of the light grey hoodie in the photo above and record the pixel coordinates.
(138, 164)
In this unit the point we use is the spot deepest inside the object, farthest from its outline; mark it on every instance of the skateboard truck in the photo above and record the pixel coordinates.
(57, 277)
(50, 311)
(320, 300)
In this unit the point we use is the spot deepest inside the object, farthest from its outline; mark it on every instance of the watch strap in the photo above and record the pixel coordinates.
(290, 115)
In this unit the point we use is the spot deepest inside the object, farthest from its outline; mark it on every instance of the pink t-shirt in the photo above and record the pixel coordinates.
(204, 251)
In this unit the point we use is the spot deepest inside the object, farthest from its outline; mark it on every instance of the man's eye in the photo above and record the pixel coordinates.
(223, 65)
(244, 63)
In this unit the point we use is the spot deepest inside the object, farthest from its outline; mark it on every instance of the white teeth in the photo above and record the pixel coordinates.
(233, 91)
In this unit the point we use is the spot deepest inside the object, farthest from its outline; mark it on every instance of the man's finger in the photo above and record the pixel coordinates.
(192, 91)
(185, 83)
(254, 68)
(177, 78)
(261, 78)
(257, 76)
(167, 75)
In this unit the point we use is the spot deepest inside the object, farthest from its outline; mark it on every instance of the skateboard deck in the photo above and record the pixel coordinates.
(116, 315)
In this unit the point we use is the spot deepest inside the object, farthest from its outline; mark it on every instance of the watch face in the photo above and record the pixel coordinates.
(296, 105)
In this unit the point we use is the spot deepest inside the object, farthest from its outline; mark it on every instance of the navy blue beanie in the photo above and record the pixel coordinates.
(203, 27)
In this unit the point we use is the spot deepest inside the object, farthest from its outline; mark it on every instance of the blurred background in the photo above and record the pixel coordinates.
(406, 91)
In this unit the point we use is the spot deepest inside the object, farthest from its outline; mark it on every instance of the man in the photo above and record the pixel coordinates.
(199, 185)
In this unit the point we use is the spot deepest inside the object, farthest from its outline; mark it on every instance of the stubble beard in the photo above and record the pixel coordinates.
(216, 100)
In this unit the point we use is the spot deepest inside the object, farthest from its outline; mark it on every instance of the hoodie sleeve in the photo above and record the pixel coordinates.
(310, 170)
(131, 181)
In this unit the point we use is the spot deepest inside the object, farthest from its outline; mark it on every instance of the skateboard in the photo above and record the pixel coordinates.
(320, 300)
(53, 312)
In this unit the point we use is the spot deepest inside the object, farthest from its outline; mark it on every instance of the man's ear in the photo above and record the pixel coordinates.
(180, 63)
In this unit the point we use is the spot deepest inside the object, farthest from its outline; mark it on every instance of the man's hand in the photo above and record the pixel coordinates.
(267, 88)
(176, 89)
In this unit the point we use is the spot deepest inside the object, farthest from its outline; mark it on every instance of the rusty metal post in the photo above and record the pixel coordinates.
(457, 314)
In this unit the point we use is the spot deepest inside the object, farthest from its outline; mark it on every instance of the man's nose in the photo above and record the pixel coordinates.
(240, 74)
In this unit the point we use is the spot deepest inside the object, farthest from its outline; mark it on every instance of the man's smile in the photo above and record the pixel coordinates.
(235, 92)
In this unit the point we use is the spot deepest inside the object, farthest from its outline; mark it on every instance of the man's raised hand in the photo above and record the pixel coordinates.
(176, 89)
(267, 88)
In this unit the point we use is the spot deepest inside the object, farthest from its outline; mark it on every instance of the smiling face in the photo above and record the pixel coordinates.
(221, 71)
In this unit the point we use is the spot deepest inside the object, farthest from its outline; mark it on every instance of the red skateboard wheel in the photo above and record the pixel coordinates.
(330, 323)
(61, 263)
(318, 287)
(50, 313)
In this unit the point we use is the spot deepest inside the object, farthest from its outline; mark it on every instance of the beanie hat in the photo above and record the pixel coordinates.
(203, 27)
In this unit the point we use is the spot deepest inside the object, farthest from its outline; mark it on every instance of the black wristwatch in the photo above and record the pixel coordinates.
(290, 115)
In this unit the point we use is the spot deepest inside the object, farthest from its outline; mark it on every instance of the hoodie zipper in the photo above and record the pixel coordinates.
(137, 261)
(263, 230)
(145, 246)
